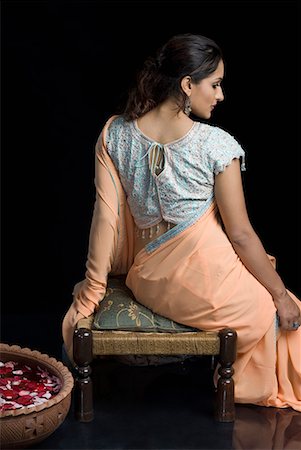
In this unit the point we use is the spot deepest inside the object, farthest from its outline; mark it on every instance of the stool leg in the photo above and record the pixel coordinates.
(83, 388)
(225, 411)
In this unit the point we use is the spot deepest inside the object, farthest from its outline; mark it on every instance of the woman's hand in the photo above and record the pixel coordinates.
(288, 312)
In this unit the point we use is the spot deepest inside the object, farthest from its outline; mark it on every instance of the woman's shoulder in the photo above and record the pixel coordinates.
(218, 133)
(222, 147)
(113, 127)
(218, 137)
(117, 121)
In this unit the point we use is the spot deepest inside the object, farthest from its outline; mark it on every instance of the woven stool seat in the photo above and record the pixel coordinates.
(89, 343)
(133, 343)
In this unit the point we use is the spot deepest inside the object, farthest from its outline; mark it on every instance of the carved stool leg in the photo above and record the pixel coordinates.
(83, 389)
(225, 411)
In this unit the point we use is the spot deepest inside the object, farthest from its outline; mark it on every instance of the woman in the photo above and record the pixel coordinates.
(170, 212)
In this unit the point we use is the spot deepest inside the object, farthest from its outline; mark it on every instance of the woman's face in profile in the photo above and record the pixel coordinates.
(207, 93)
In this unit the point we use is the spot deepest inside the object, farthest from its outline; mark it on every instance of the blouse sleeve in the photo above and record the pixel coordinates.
(223, 148)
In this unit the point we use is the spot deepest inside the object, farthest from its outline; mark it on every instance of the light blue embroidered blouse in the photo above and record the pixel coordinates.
(185, 187)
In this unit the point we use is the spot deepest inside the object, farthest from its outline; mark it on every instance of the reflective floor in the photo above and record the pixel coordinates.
(155, 407)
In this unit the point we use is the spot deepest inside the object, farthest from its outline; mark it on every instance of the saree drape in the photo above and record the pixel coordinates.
(111, 241)
(195, 278)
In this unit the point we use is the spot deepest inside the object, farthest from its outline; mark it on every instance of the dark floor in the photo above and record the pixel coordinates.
(155, 407)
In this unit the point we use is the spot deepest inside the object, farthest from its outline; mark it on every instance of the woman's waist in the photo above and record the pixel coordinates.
(210, 233)
(144, 236)
(148, 211)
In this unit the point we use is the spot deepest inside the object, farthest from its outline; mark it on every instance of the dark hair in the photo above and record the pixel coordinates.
(160, 77)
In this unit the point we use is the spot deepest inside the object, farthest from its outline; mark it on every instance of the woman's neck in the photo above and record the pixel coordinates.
(165, 123)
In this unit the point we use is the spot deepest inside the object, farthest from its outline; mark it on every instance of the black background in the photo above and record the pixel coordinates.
(66, 67)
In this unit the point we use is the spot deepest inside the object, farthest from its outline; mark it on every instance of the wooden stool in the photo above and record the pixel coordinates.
(88, 343)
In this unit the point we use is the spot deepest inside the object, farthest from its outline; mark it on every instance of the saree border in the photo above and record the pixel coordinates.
(152, 246)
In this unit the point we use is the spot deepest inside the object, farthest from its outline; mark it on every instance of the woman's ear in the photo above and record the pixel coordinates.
(186, 85)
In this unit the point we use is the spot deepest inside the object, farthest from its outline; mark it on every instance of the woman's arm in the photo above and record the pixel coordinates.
(230, 200)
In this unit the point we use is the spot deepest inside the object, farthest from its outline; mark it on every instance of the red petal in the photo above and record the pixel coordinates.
(7, 406)
(4, 370)
(9, 394)
(25, 400)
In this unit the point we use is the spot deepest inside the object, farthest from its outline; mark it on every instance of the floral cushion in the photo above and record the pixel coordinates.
(120, 311)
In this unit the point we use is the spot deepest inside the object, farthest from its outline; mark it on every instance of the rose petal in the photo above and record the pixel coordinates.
(25, 400)
(10, 364)
(7, 406)
(4, 370)
(22, 393)
(9, 394)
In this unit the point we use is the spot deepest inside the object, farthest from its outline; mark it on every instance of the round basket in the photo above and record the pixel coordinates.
(23, 427)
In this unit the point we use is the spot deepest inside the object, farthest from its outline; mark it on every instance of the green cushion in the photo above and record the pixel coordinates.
(120, 311)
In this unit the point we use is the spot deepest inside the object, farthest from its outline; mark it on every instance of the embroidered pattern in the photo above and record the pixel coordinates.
(178, 185)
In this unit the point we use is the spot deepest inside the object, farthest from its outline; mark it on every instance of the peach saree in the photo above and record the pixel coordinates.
(193, 276)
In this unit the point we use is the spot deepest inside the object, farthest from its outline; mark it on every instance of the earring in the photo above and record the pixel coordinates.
(187, 106)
